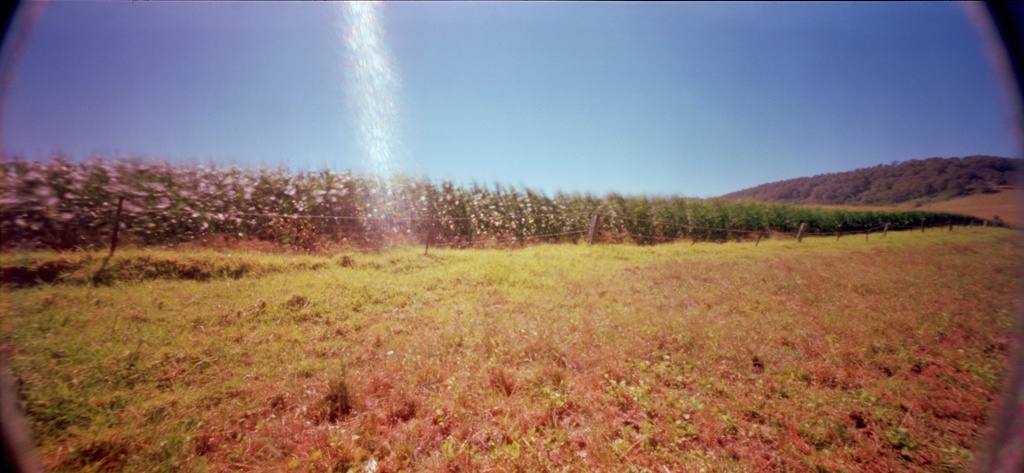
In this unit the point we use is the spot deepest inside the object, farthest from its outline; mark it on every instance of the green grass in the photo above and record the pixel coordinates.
(828, 355)
(134, 265)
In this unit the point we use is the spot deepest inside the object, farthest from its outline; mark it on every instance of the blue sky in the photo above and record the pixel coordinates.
(638, 98)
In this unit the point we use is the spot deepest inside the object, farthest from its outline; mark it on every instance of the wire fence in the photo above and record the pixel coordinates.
(414, 229)
(462, 227)
(64, 205)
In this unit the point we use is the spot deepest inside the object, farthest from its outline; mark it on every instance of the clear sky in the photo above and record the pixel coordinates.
(638, 98)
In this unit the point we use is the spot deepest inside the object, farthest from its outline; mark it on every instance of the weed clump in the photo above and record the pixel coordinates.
(404, 410)
(338, 402)
(859, 419)
(297, 301)
(346, 261)
(758, 364)
(106, 453)
(504, 381)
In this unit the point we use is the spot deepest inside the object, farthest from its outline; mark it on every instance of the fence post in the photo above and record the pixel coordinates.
(922, 225)
(800, 233)
(595, 219)
(759, 236)
(885, 231)
(117, 225)
(430, 234)
(950, 225)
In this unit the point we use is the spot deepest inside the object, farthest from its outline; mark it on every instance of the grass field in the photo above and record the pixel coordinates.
(1006, 204)
(830, 355)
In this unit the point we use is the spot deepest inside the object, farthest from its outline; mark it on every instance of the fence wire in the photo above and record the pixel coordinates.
(481, 227)
(432, 239)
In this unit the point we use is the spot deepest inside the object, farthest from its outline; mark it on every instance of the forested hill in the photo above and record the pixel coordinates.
(930, 179)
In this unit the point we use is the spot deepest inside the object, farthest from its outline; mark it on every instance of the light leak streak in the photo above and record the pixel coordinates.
(372, 87)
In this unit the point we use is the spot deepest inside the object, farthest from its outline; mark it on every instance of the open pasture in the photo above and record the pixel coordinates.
(831, 355)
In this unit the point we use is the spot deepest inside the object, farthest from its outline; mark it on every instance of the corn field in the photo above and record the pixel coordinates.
(62, 204)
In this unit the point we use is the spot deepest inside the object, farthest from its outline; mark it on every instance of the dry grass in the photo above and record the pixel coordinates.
(1006, 205)
(846, 355)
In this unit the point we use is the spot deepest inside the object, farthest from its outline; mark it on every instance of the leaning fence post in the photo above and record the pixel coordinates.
(885, 231)
(800, 233)
(117, 225)
(595, 219)
(759, 236)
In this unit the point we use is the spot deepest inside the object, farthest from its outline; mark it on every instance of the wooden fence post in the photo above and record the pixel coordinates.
(595, 220)
(922, 225)
(885, 231)
(950, 225)
(430, 234)
(759, 236)
(117, 225)
(800, 233)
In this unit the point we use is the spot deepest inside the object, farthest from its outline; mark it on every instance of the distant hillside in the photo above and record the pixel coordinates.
(921, 180)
